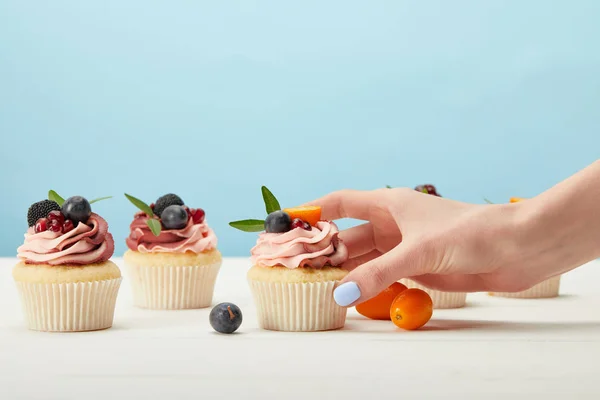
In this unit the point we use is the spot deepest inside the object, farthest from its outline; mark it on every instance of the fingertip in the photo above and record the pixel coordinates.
(321, 201)
(347, 294)
(329, 206)
(311, 203)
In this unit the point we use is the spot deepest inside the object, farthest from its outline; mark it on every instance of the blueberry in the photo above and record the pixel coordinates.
(278, 222)
(225, 318)
(174, 217)
(77, 209)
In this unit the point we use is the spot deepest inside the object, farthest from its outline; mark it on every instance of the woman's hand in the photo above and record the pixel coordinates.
(440, 243)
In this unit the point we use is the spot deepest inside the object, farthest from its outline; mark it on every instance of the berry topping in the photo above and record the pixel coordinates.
(41, 209)
(41, 225)
(225, 318)
(77, 209)
(197, 215)
(310, 214)
(68, 226)
(55, 223)
(278, 222)
(165, 201)
(428, 189)
(56, 215)
(174, 217)
(55, 226)
(298, 223)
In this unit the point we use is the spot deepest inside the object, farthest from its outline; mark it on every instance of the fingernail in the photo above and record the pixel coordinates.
(346, 294)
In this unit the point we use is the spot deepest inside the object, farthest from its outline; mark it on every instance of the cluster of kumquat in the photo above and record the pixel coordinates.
(408, 309)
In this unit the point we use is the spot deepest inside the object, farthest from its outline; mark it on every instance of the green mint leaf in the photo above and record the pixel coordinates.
(100, 199)
(142, 206)
(488, 201)
(52, 195)
(154, 226)
(249, 225)
(388, 186)
(271, 203)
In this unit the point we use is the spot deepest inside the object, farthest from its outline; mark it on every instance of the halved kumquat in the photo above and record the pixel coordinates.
(310, 214)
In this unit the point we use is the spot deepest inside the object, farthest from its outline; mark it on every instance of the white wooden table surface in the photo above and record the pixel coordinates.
(494, 348)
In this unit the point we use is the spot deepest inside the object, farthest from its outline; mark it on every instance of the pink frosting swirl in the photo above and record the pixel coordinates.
(86, 244)
(194, 237)
(316, 248)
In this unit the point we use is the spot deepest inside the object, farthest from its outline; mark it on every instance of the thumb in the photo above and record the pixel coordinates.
(371, 278)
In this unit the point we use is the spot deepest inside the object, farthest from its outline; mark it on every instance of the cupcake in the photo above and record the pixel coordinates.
(546, 289)
(172, 261)
(65, 279)
(440, 299)
(296, 266)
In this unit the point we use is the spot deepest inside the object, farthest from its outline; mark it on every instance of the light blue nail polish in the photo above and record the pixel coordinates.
(346, 294)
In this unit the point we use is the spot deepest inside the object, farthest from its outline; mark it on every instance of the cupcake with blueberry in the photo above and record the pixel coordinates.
(172, 259)
(440, 299)
(544, 290)
(296, 265)
(65, 278)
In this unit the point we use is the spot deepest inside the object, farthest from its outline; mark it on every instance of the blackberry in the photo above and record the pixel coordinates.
(41, 209)
(166, 201)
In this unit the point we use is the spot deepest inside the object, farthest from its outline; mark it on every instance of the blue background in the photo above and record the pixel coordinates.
(213, 99)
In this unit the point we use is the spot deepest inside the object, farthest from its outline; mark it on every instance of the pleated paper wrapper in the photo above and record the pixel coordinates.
(441, 300)
(173, 287)
(297, 307)
(548, 288)
(69, 307)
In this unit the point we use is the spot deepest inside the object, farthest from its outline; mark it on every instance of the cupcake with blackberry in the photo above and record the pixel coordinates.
(544, 290)
(296, 266)
(172, 259)
(65, 279)
(440, 299)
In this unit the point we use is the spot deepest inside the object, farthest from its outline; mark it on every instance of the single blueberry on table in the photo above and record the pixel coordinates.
(77, 209)
(174, 217)
(278, 222)
(225, 318)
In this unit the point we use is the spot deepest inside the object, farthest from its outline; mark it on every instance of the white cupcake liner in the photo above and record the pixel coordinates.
(297, 307)
(173, 287)
(69, 307)
(547, 289)
(441, 300)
